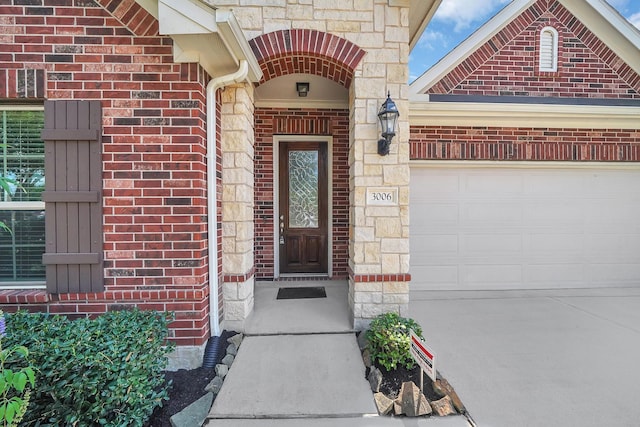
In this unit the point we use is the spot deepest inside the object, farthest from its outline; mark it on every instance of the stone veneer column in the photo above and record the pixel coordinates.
(379, 234)
(237, 139)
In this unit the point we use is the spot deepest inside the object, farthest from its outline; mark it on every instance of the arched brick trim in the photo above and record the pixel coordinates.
(306, 51)
(131, 15)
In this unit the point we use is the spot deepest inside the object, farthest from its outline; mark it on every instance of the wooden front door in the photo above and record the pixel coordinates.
(303, 207)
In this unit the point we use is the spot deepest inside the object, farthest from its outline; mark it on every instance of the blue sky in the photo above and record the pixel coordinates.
(455, 20)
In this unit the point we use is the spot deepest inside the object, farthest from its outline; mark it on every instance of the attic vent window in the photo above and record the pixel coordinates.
(549, 49)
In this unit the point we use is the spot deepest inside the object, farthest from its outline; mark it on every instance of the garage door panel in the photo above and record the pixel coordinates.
(485, 275)
(558, 275)
(552, 184)
(483, 185)
(520, 228)
(497, 213)
(553, 212)
(549, 242)
(480, 244)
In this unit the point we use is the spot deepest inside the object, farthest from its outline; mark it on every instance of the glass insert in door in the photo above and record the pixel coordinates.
(303, 189)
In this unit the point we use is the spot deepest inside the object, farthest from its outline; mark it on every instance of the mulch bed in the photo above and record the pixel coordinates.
(187, 386)
(392, 381)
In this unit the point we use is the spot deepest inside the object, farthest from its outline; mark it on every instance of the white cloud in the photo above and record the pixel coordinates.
(635, 20)
(463, 13)
(432, 40)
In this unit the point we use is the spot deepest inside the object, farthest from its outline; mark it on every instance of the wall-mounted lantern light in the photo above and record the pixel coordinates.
(388, 116)
(302, 88)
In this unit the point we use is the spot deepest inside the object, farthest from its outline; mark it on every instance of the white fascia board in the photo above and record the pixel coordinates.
(468, 46)
(466, 114)
(614, 30)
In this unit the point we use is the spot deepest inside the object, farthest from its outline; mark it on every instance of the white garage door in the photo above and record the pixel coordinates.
(524, 227)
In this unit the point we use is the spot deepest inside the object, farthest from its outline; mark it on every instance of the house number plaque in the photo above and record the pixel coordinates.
(382, 196)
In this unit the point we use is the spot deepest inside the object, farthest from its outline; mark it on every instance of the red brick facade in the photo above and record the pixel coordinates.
(154, 151)
(486, 143)
(507, 65)
(272, 121)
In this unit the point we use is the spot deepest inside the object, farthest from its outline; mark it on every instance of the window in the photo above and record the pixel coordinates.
(549, 49)
(21, 208)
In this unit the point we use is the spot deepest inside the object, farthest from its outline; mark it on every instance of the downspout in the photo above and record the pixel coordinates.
(212, 212)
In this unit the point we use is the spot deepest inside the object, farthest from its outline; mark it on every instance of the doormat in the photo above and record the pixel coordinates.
(302, 292)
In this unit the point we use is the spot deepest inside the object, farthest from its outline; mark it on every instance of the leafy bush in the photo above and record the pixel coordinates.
(389, 340)
(107, 371)
(14, 391)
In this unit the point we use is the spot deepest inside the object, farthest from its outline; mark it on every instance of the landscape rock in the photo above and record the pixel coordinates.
(194, 414)
(443, 407)
(424, 408)
(232, 349)
(375, 379)
(214, 386)
(442, 387)
(397, 408)
(384, 404)
(228, 360)
(366, 358)
(236, 340)
(410, 400)
(222, 370)
(362, 340)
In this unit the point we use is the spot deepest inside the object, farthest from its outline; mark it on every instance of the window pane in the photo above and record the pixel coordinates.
(22, 154)
(22, 168)
(21, 251)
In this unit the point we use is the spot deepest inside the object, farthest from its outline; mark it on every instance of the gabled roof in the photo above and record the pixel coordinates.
(604, 21)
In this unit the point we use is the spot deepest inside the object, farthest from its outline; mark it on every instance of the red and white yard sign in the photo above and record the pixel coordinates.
(423, 355)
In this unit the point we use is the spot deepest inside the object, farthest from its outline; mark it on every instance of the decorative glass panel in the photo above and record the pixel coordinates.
(303, 189)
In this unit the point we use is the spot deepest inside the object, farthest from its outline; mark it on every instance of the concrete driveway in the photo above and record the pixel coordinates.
(538, 358)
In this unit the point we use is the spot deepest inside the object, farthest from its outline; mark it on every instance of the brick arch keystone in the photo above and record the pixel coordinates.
(306, 51)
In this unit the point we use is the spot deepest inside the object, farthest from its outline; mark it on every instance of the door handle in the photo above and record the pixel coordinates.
(282, 229)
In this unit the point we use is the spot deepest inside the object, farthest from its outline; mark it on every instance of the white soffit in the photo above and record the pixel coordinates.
(425, 113)
(203, 34)
(607, 24)
(420, 14)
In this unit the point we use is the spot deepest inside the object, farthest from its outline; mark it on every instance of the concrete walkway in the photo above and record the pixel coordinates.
(300, 365)
(538, 358)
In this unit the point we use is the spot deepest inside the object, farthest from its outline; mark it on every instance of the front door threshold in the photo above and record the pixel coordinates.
(302, 276)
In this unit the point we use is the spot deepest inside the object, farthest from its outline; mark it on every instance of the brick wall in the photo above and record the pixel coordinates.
(270, 121)
(492, 143)
(507, 65)
(154, 149)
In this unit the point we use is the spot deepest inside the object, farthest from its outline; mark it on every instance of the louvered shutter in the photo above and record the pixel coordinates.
(73, 196)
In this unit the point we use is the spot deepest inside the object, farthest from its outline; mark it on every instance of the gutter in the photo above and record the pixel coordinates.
(212, 211)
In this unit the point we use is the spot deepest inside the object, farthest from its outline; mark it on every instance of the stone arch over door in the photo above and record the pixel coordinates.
(293, 52)
(284, 52)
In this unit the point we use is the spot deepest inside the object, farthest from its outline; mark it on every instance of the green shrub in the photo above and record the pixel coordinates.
(389, 340)
(16, 383)
(107, 371)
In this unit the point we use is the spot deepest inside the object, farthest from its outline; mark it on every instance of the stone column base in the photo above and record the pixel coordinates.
(238, 302)
(372, 295)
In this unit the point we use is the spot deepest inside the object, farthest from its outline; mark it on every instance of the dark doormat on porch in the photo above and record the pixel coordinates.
(302, 292)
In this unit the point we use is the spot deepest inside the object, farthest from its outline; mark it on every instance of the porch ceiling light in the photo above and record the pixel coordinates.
(302, 88)
(388, 116)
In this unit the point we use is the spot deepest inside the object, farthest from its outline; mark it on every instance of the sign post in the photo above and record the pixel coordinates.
(424, 357)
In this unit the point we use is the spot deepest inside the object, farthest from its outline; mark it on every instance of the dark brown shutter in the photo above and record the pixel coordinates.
(73, 196)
